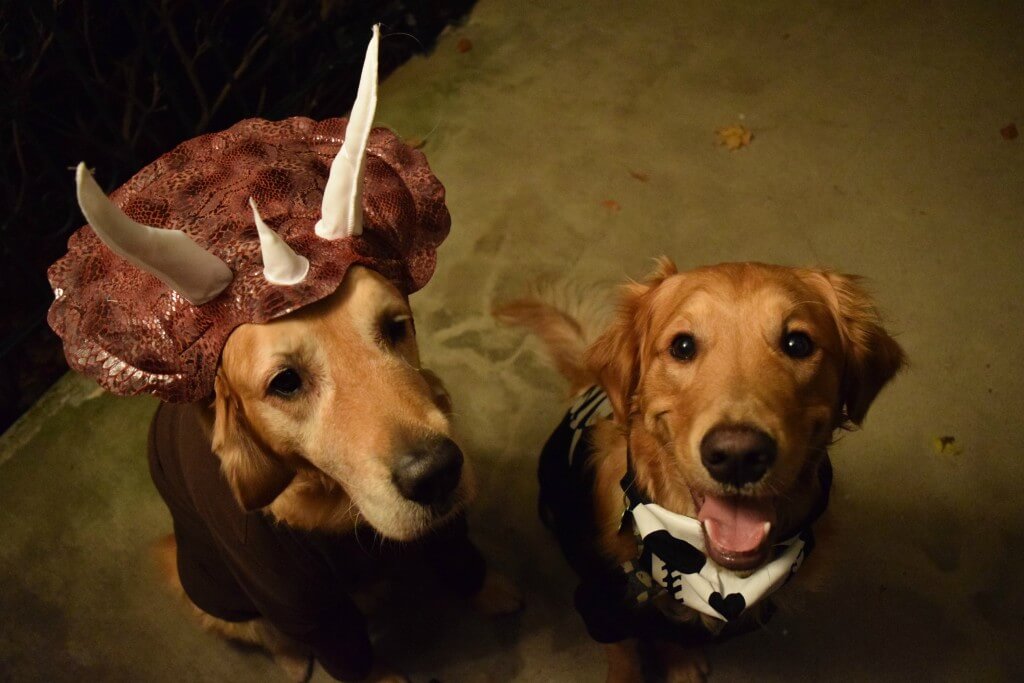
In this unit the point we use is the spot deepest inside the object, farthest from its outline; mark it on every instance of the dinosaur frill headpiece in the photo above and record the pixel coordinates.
(238, 227)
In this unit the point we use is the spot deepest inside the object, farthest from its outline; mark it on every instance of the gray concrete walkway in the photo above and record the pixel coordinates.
(577, 138)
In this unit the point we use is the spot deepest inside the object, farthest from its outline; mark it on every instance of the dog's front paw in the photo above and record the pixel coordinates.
(388, 677)
(498, 596)
(685, 665)
(298, 668)
(624, 665)
(691, 673)
(382, 674)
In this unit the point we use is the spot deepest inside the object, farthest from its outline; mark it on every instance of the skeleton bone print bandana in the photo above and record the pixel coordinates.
(672, 545)
(674, 555)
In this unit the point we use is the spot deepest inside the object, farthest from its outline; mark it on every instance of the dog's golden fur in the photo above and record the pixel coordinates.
(738, 314)
(321, 459)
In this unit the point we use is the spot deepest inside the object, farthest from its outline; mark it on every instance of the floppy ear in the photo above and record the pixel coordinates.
(872, 356)
(614, 357)
(255, 474)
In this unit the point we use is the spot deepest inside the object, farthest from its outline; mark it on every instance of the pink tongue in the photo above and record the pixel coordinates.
(736, 525)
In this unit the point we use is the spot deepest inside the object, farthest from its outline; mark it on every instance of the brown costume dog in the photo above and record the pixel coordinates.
(257, 280)
(325, 440)
(718, 393)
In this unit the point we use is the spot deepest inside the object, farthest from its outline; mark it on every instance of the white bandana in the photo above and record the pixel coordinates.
(679, 563)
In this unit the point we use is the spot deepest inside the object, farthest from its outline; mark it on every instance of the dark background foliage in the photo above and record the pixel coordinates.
(118, 82)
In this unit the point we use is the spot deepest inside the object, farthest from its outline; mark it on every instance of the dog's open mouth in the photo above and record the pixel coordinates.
(737, 529)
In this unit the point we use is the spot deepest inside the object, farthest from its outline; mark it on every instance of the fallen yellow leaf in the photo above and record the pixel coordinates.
(733, 137)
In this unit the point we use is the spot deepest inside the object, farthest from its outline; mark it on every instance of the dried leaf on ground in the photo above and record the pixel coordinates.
(464, 45)
(1009, 132)
(947, 445)
(733, 137)
(612, 205)
(640, 175)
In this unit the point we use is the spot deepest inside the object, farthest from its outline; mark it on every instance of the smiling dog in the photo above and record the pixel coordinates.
(684, 483)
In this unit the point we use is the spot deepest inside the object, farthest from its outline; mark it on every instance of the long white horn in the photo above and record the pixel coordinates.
(341, 213)
(281, 265)
(171, 255)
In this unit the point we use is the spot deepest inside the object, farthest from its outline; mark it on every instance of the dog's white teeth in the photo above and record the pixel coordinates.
(767, 528)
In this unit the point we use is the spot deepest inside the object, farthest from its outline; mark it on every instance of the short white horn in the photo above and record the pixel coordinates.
(341, 213)
(281, 265)
(170, 255)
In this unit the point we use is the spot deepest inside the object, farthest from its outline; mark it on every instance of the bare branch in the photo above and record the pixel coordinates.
(186, 63)
(151, 109)
(131, 73)
(246, 60)
(16, 144)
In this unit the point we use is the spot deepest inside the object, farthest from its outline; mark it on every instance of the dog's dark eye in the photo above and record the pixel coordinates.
(286, 383)
(394, 330)
(684, 347)
(797, 345)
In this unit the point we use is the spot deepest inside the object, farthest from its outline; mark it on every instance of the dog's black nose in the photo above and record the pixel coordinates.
(429, 473)
(737, 454)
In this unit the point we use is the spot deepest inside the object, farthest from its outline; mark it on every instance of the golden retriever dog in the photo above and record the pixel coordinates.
(326, 452)
(725, 386)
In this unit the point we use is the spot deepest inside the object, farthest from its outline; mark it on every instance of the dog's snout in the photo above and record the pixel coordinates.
(428, 473)
(738, 454)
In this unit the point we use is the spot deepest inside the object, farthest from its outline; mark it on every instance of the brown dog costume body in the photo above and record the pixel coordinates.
(237, 565)
(320, 231)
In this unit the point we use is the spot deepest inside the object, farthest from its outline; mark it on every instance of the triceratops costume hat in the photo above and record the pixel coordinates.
(247, 225)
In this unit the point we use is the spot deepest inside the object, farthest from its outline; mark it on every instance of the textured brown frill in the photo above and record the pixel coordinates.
(124, 328)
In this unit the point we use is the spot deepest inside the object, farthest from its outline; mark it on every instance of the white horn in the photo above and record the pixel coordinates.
(341, 213)
(170, 255)
(281, 265)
